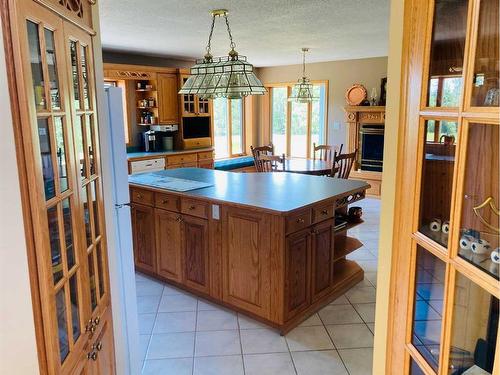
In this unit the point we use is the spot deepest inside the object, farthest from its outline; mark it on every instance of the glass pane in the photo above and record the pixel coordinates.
(92, 285)
(447, 53)
(68, 233)
(298, 144)
(85, 78)
(221, 128)
(95, 208)
(279, 114)
(86, 215)
(437, 179)
(415, 369)
(50, 55)
(428, 305)
(74, 73)
(100, 269)
(474, 329)
(46, 158)
(485, 91)
(79, 146)
(318, 117)
(237, 126)
(61, 154)
(75, 309)
(480, 222)
(36, 66)
(55, 244)
(62, 326)
(89, 127)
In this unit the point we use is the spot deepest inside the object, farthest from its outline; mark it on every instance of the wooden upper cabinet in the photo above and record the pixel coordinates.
(168, 108)
(193, 105)
(169, 244)
(246, 270)
(297, 272)
(143, 224)
(195, 249)
(322, 259)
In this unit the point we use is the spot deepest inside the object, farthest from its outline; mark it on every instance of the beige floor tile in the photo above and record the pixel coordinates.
(175, 322)
(223, 365)
(146, 322)
(372, 327)
(268, 364)
(313, 320)
(170, 290)
(365, 294)
(204, 305)
(361, 254)
(366, 310)
(339, 314)
(171, 345)
(216, 320)
(177, 303)
(325, 362)
(350, 336)
(368, 265)
(372, 277)
(147, 304)
(212, 343)
(342, 300)
(248, 323)
(177, 366)
(308, 338)
(148, 288)
(358, 361)
(255, 341)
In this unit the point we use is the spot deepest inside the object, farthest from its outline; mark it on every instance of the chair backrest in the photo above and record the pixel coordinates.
(272, 163)
(257, 152)
(342, 164)
(326, 152)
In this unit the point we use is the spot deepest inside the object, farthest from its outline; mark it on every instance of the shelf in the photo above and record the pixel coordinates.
(146, 124)
(145, 90)
(481, 261)
(344, 269)
(349, 226)
(147, 107)
(344, 245)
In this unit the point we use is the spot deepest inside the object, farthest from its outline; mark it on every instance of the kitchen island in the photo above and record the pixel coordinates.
(264, 244)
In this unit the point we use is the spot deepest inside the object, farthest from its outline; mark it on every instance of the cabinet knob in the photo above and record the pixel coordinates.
(191, 208)
(324, 212)
(139, 196)
(179, 219)
(165, 201)
(300, 221)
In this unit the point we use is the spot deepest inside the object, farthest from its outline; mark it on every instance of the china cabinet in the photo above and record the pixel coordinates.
(445, 281)
(51, 49)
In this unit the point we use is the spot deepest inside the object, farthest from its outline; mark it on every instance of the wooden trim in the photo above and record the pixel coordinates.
(139, 68)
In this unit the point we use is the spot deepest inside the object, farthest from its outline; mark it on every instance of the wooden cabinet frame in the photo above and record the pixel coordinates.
(413, 113)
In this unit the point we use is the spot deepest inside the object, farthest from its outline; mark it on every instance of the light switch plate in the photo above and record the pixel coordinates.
(215, 212)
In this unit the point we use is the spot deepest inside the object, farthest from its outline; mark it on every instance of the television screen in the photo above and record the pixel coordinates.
(196, 127)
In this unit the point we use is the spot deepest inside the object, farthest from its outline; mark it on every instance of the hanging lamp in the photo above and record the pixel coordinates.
(229, 77)
(302, 91)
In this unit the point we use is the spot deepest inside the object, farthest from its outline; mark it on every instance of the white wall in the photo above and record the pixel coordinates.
(18, 353)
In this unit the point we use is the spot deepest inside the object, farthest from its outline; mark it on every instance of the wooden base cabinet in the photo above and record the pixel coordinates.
(168, 244)
(194, 233)
(143, 222)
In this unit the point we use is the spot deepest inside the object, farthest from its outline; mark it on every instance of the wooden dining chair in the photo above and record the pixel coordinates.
(326, 152)
(342, 164)
(272, 163)
(257, 152)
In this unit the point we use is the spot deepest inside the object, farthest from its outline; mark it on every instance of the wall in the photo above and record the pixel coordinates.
(18, 352)
(341, 75)
(138, 59)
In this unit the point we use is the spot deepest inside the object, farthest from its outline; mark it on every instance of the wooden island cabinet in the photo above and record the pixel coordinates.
(255, 243)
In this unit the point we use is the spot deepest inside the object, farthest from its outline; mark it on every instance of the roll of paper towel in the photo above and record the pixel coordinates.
(480, 247)
(435, 225)
(495, 255)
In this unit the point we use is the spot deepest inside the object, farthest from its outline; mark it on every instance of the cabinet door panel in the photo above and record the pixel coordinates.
(245, 260)
(195, 248)
(168, 244)
(168, 110)
(144, 237)
(322, 259)
(297, 274)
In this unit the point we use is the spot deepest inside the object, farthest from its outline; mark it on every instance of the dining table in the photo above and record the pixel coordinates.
(308, 166)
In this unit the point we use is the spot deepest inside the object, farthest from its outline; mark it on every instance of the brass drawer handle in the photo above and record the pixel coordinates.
(300, 221)
(324, 212)
(192, 208)
(179, 219)
(139, 196)
(165, 201)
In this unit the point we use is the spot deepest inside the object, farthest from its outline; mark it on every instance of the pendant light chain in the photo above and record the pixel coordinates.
(232, 44)
(304, 63)
(210, 36)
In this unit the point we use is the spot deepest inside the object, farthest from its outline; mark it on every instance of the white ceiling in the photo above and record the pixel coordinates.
(269, 32)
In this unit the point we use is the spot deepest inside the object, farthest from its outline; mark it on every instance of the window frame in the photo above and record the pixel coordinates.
(126, 121)
(289, 86)
(230, 130)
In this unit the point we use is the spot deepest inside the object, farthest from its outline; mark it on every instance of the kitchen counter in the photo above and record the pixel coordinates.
(272, 246)
(150, 155)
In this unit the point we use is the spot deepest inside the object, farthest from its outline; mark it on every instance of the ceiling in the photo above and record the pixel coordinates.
(269, 32)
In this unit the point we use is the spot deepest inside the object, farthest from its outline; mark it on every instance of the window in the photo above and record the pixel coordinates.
(121, 84)
(229, 127)
(296, 126)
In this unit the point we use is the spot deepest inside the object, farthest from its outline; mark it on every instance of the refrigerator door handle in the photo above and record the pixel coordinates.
(121, 205)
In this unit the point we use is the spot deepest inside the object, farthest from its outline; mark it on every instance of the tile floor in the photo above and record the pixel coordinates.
(182, 334)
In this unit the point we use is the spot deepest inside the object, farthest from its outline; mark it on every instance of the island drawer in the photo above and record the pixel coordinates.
(180, 159)
(194, 208)
(142, 196)
(323, 212)
(167, 202)
(298, 221)
(205, 155)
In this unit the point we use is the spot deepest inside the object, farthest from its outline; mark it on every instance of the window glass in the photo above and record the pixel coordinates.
(62, 326)
(236, 126)
(298, 141)
(50, 55)
(318, 117)
(221, 128)
(46, 158)
(55, 244)
(279, 119)
(36, 66)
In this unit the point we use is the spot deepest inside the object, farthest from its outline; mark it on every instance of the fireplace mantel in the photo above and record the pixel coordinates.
(355, 117)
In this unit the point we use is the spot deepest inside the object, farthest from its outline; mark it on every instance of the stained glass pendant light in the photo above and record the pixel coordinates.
(302, 91)
(229, 77)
